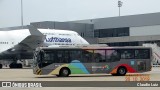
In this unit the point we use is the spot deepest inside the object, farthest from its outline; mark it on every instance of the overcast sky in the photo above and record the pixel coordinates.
(69, 10)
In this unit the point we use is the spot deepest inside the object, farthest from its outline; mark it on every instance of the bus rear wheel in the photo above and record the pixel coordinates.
(64, 72)
(121, 71)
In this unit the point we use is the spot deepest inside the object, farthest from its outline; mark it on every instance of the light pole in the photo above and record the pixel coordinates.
(22, 13)
(120, 5)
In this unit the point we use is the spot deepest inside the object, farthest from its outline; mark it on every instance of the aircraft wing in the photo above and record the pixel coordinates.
(25, 48)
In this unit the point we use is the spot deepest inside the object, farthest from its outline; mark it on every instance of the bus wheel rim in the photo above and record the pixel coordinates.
(65, 71)
(122, 71)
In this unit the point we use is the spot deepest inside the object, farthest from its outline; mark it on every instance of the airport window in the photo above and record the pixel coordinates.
(112, 32)
(123, 44)
(99, 55)
(112, 55)
(96, 33)
(82, 34)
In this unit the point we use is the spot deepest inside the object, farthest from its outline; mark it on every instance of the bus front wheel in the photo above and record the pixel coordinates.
(64, 72)
(121, 71)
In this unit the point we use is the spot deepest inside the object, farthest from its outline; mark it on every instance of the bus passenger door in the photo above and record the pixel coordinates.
(141, 65)
(105, 60)
(99, 63)
(143, 59)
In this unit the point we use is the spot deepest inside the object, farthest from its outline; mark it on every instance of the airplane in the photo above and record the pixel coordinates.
(20, 44)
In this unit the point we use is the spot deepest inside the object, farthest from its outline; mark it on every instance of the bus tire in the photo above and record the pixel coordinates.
(58, 75)
(64, 72)
(121, 71)
(115, 74)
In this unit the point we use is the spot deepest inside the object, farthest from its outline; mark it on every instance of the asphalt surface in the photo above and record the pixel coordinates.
(27, 75)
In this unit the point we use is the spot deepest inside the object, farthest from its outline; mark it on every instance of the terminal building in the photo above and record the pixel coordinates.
(133, 30)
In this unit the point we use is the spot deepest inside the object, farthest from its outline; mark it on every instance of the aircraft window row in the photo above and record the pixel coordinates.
(48, 33)
(3, 42)
(62, 44)
(54, 34)
(64, 34)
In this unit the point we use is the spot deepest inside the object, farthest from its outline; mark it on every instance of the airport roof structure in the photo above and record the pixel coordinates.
(124, 21)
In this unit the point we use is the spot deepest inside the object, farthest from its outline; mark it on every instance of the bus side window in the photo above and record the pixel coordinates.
(75, 55)
(48, 57)
(87, 56)
(62, 56)
(59, 57)
(66, 57)
(112, 55)
(99, 55)
(142, 54)
(127, 54)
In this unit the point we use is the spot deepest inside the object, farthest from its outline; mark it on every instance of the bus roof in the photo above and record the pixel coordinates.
(94, 47)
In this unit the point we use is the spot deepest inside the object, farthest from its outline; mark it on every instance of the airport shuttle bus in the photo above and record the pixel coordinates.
(63, 61)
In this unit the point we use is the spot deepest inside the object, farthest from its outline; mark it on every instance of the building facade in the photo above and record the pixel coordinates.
(131, 30)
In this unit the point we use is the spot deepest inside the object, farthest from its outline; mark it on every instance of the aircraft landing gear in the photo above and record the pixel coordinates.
(1, 66)
(16, 62)
(15, 65)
